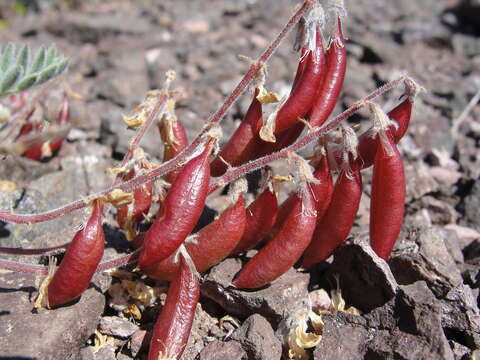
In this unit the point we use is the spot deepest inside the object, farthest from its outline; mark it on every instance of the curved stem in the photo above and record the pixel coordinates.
(180, 158)
(237, 172)
(37, 251)
(43, 270)
(229, 176)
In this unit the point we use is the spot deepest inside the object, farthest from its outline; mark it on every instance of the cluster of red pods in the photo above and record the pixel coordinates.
(30, 134)
(308, 226)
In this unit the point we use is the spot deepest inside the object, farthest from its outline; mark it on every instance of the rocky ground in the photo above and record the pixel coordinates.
(423, 304)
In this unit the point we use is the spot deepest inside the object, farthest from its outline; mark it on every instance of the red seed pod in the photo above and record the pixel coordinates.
(242, 146)
(302, 64)
(321, 192)
(180, 210)
(328, 93)
(142, 200)
(172, 328)
(387, 198)
(80, 261)
(211, 244)
(175, 139)
(261, 215)
(304, 93)
(335, 225)
(278, 255)
(34, 152)
(367, 144)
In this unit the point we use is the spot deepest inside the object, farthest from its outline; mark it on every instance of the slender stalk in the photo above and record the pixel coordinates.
(158, 109)
(237, 172)
(43, 270)
(180, 158)
(38, 251)
(229, 176)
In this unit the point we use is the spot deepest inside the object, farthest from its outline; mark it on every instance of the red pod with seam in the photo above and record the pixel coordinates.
(302, 64)
(367, 144)
(303, 94)
(329, 92)
(172, 328)
(80, 261)
(209, 246)
(180, 210)
(260, 217)
(175, 139)
(142, 200)
(278, 255)
(387, 203)
(337, 222)
(321, 192)
(242, 146)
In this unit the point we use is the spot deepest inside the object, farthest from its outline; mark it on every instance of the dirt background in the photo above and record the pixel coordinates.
(422, 305)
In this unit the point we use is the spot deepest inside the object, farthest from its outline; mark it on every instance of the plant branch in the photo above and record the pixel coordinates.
(43, 270)
(172, 164)
(226, 178)
(237, 172)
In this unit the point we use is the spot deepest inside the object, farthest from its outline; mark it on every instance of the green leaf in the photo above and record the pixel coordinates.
(19, 73)
(51, 55)
(46, 74)
(39, 61)
(8, 57)
(9, 79)
(23, 58)
(26, 83)
(62, 66)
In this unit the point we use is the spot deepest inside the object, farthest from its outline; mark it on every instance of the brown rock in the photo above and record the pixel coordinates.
(48, 334)
(220, 350)
(257, 339)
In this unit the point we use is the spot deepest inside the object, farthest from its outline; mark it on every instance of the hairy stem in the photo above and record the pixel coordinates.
(169, 166)
(229, 176)
(43, 270)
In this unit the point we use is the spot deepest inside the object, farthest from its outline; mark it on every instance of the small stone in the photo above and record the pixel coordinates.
(342, 338)
(106, 352)
(138, 341)
(465, 234)
(117, 327)
(257, 339)
(459, 350)
(196, 26)
(453, 245)
(220, 350)
(445, 176)
(320, 300)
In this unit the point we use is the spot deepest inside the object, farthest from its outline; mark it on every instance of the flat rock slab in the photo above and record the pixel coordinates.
(281, 298)
(48, 334)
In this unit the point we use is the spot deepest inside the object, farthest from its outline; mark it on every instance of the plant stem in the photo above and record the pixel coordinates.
(180, 158)
(229, 176)
(43, 270)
